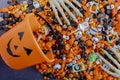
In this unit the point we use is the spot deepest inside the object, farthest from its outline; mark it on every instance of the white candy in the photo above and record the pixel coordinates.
(100, 37)
(91, 72)
(95, 40)
(88, 32)
(66, 37)
(100, 27)
(70, 64)
(116, 48)
(47, 30)
(98, 61)
(109, 28)
(111, 6)
(118, 7)
(36, 4)
(80, 27)
(87, 19)
(92, 3)
(78, 35)
(77, 57)
(116, 37)
(64, 58)
(83, 26)
(78, 67)
(93, 31)
(39, 37)
(76, 42)
(64, 26)
(106, 67)
(74, 62)
(57, 66)
(1, 19)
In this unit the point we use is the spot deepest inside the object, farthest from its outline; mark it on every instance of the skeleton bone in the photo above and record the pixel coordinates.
(56, 4)
(116, 72)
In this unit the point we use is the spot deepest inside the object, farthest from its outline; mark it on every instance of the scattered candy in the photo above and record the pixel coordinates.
(74, 46)
(92, 3)
(109, 37)
(95, 40)
(110, 6)
(66, 37)
(78, 34)
(100, 27)
(57, 66)
(1, 19)
(77, 57)
(36, 4)
(98, 61)
(93, 31)
(105, 66)
(83, 26)
(78, 67)
(93, 57)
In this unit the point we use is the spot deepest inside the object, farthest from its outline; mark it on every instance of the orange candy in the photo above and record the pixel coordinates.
(117, 28)
(4, 10)
(114, 11)
(10, 7)
(43, 66)
(58, 28)
(17, 15)
(89, 43)
(118, 17)
(67, 47)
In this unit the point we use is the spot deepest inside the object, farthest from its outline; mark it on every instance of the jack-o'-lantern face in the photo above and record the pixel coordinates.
(16, 46)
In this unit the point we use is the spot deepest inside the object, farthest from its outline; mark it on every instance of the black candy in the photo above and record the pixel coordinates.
(41, 8)
(30, 2)
(118, 42)
(4, 22)
(28, 10)
(55, 21)
(5, 15)
(83, 55)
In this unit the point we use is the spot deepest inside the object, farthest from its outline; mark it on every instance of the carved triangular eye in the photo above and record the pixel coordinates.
(15, 46)
(28, 51)
(20, 34)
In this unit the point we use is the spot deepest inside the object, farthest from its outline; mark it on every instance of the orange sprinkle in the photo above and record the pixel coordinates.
(67, 47)
(10, 7)
(17, 15)
(44, 67)
(89, 43)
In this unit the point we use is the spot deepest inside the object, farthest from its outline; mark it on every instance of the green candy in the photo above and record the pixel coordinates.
(93, 57)
(50, 38)
(43, 27)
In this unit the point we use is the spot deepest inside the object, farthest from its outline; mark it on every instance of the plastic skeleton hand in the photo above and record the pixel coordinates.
(107, 66)
(56, 4)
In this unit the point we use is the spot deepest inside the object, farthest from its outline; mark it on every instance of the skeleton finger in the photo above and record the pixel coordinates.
(74, 8)
(77, 3)
(56, 13)
(111, 66)
(110, 57)
(116, 54)
(67, 10)
(61, 11)
(111, 73)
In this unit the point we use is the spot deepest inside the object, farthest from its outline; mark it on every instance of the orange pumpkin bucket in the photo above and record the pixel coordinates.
(19, 48)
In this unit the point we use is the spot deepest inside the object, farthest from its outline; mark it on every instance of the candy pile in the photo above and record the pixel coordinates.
(87, 50)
